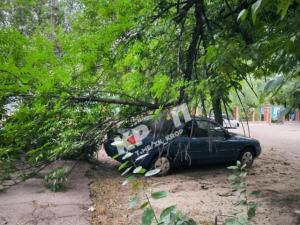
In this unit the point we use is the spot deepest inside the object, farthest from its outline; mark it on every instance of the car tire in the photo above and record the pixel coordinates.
(163, 163)
(247, 157)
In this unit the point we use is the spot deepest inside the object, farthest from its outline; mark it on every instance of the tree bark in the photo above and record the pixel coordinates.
(204, 111)
(53, 18)
(192, 50)
(216, 104)
(114, 101)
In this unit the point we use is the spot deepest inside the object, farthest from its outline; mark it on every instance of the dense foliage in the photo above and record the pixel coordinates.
(73, 69)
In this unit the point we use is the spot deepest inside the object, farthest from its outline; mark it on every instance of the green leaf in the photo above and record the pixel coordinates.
(293, 38)
(147, 216)
(243, 166)
(251, 211)
(232, 177)
(283, 6)
(133, 201)
(212, 54)
(255, 193)
(152, 172)
(242, 15)
(126, 171)
(135, 185)
(165, 214)
(123, 165)
(115, 156)
(126, 181)
(139, 169)
(232, 167)
(243, 174)
(127, 155)
(144, 205)
(255, 8)
(1, 188)
(241, 185)
(141, 157)
(159, 194)
(160, 85)
(274, 84)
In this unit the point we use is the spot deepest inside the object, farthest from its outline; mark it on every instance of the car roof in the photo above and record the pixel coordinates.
(163, 125)
(202, 118)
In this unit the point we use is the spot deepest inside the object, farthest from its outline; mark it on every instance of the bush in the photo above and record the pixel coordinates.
(56, 179)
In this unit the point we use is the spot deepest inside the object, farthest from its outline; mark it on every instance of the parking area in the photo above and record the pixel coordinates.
(204, 192)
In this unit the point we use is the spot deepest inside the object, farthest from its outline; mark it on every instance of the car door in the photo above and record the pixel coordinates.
(192, 146)
(223, 146)
(197, 141)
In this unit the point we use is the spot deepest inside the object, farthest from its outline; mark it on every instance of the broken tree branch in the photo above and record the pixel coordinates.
(79, 99)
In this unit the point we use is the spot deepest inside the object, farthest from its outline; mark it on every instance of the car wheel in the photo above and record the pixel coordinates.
(247, 157)
(162, 163)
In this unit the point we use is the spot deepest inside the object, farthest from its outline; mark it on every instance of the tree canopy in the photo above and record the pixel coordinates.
(77, 68)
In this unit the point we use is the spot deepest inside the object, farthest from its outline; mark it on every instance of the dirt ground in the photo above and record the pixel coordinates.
(205, 192)
(31, 203)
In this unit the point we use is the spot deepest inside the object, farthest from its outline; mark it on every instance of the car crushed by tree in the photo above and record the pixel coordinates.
(164, 144)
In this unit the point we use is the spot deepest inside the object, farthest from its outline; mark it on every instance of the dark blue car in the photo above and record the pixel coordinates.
(198, 141)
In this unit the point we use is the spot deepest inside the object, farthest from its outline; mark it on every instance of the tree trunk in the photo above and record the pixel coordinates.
(204, 111)
(193, 46)
(53, 18)
(216, 104)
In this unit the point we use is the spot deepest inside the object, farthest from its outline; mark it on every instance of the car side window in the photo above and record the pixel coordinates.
(216, 131)
(203, 128)
(190, 129)
(210, 129)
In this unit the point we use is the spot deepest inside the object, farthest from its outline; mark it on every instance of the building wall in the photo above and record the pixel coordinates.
(298, 115)
(267, 114)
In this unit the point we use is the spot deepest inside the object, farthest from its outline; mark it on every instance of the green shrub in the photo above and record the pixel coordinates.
(57, 179)
(245, 207)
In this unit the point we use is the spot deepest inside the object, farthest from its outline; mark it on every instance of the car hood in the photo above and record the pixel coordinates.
(242, 137)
